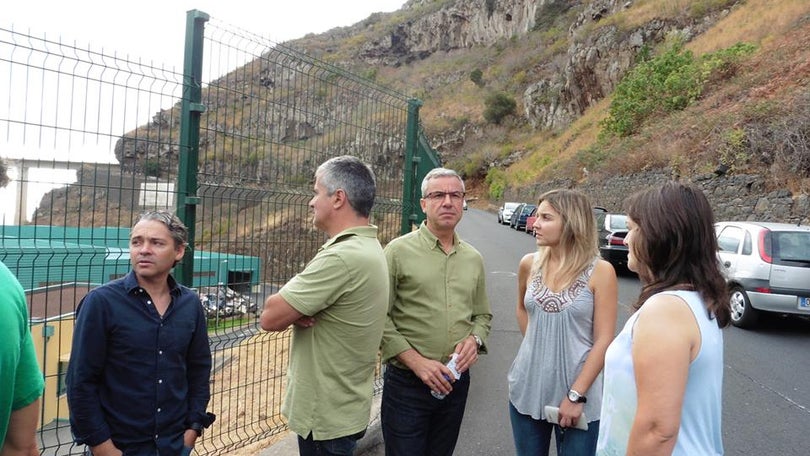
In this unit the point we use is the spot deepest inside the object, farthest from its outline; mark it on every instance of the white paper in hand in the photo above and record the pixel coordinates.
(553, 416)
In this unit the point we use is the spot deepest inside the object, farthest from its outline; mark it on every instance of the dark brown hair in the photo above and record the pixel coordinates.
(676, 247)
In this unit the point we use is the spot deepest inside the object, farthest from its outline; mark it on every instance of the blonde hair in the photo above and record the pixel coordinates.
(578, 240)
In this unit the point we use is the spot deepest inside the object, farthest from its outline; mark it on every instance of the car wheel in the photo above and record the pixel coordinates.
(742, 314)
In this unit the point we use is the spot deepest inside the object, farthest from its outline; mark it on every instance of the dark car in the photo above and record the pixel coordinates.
(513, 218)
(520, 215)
(612, 230)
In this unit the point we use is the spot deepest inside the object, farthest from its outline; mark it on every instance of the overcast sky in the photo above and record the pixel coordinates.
(154, 29)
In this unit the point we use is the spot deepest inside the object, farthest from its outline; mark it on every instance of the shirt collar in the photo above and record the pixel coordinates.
(131, 284)
(431, 239)
(369, 231)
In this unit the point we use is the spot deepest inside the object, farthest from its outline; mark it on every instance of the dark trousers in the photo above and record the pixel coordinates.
(341, 446)
(414, 423)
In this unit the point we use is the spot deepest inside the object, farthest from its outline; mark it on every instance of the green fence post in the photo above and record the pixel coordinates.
(409, 187)
(190, 111)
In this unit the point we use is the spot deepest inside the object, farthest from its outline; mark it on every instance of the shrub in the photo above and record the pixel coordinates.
(477, 77)
(497, 106)
(666, 83)
(496, 183)
(152, 167)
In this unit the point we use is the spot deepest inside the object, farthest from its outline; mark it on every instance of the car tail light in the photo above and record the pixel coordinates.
(762, 290)
(615, 240)
(764, 246)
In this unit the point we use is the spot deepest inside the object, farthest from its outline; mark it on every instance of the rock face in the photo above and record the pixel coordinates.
(461, 24)
(595, 62)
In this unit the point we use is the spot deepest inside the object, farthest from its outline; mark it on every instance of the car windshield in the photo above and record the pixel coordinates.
(618, 222)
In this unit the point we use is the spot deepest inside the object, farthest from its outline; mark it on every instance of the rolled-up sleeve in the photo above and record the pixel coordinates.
(481, 312)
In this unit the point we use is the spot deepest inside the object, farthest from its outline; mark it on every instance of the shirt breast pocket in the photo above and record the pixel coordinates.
(178, 334)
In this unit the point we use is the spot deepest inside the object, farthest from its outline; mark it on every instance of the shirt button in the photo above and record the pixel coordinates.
(158, 409)
(160, 380)
(156, 436)
(149, 302)
(160, 352)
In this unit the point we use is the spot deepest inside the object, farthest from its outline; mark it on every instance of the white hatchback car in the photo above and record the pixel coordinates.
(505, 212)
(767, 266)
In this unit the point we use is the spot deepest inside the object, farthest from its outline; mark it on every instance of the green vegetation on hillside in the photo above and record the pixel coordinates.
(668, 82)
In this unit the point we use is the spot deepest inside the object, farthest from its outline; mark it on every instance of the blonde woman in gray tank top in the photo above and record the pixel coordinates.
(566, 310)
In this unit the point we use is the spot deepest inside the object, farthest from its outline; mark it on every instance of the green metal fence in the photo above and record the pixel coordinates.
(231, 143)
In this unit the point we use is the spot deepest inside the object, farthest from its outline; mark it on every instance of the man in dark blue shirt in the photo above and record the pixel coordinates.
(138, 378)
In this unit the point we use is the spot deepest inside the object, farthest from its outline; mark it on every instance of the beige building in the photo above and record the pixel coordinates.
(52, 318)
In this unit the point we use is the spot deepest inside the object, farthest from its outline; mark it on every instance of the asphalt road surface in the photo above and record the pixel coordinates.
(766, 403)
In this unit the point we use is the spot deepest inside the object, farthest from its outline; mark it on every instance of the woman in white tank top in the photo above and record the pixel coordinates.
(664, 372)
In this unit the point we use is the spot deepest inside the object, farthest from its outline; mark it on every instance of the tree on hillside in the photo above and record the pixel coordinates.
(3, 174)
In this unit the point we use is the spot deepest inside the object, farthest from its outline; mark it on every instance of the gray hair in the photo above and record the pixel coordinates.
(352, 176)
(177, 228)
(440, 172)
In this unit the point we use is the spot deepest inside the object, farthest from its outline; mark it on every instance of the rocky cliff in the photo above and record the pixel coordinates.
(594, 63)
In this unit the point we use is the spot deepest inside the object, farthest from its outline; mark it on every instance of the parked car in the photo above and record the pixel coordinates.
(612, 229)
(513, 218)
(505, 212)
(530, 222)
(767, 267)
(519, 217)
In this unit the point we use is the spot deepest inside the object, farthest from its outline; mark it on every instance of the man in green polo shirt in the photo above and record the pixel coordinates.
(438, 310)
(337, 306)
(21, 382)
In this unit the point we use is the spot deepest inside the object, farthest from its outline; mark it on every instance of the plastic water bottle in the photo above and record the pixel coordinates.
(452, 366)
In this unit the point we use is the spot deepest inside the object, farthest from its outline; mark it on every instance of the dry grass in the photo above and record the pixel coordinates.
(755, 21)
(246, 394)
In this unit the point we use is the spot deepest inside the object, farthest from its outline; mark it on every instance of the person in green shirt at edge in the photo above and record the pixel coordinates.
(438, 311)
(21, 382)
(337, 306)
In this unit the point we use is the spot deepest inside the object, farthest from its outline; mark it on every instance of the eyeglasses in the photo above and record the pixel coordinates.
(440, 196)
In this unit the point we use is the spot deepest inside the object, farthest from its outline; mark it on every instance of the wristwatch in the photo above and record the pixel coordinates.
(478, 340)
(575, 397)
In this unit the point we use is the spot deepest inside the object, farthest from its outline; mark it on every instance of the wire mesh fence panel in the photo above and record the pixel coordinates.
(90, 139)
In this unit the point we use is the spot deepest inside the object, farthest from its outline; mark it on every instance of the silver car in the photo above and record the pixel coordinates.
(505, 212)
(767, 266)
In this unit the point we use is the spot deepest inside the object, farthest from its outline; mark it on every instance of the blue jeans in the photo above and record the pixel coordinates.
(341, 446)
(416, 423)
(533, 437)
